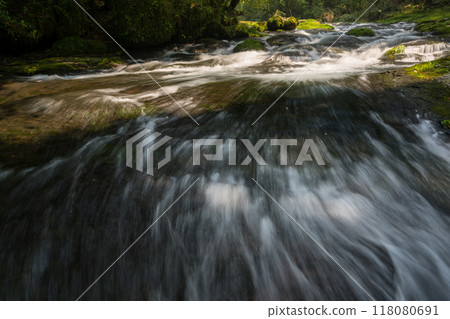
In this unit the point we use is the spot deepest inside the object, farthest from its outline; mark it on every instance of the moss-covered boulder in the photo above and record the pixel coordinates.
(279, 22)
(275, 23)
(290, 23)
(310, 24)
(249, 45)
(394, 53)
(361, 32)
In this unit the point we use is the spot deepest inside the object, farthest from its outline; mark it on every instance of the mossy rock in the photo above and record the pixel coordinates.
(59, 65)
(290, 24)
(249, 45)
(279, 22)
(311, 24)
(395, 52)
(275, 23)
(361, 32)
(246, 29)
(429, 70)
(400, 49)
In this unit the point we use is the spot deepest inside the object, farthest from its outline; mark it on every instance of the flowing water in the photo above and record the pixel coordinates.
(379, 207)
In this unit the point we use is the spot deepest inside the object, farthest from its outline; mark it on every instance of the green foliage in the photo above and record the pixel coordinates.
(435, 20)
(27, 24)
(361, 32)
(30, 24)
(70, 46)
(73, 46)
(249, 45)
(446, 124)
(313, 24)
(429, 70)
(334, 10)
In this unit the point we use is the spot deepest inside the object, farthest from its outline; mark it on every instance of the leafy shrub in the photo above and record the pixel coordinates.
(446, 124)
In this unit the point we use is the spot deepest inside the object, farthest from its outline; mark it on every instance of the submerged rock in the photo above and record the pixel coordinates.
(284, 39)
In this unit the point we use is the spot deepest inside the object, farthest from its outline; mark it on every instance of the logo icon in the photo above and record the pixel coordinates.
(145, 148)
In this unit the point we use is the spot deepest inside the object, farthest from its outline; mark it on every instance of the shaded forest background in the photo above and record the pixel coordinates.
(36, 24)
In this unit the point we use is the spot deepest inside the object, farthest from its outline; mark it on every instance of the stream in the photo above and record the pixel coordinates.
(379, 207)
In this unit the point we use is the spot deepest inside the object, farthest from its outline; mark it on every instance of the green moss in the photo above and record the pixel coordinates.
(249, 45)
(361, 32)
(313, 24)
(275, 23)
(429, 70)
(245, 29)
(441, 27)
(433, 20)
(290, 24)
(254, 25)
(279, 22)
(446, 124)
(60, 65)
(391, 53)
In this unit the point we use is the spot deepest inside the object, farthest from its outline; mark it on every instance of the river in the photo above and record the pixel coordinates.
(371, 223)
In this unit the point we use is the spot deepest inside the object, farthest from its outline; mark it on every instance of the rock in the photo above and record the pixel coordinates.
(284, 39)
(310, 24)
(279, 22)
(249, 45)
(361, 32)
